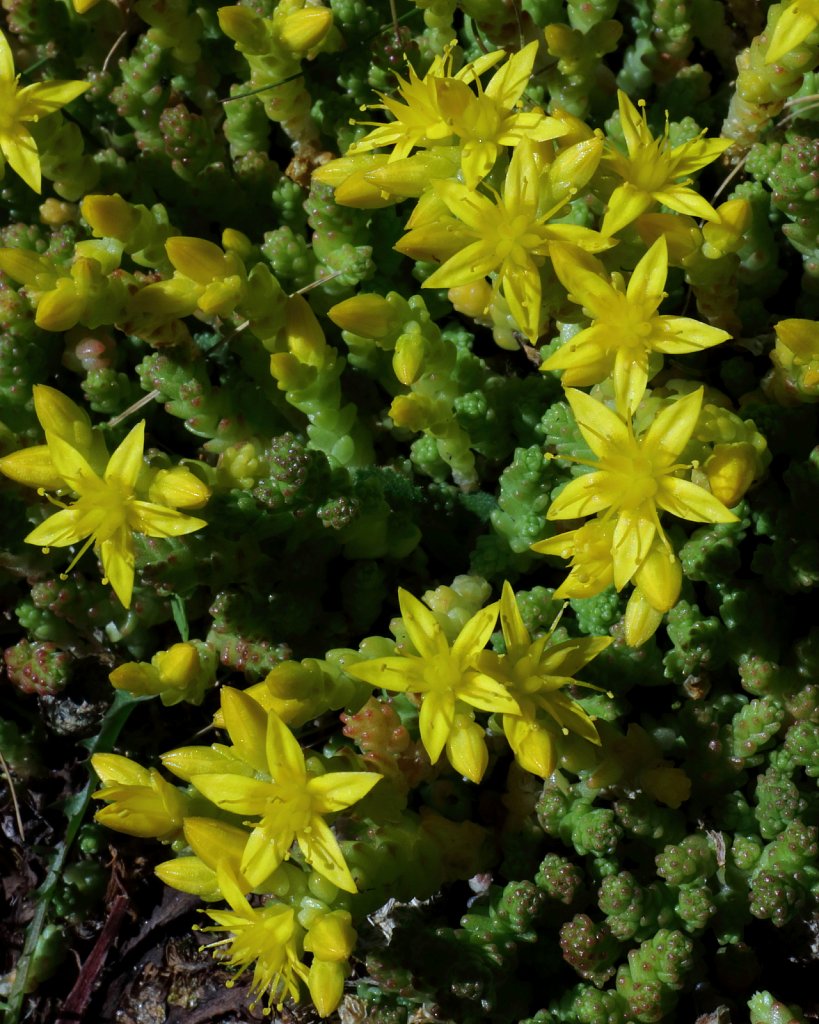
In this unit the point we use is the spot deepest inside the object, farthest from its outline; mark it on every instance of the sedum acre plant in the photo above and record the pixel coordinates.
(557, 298)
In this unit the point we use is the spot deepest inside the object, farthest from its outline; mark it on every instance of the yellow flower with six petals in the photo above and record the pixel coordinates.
(626, 328)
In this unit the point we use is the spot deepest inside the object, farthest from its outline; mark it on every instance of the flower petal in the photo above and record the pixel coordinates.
(126, 462)
(58, 531)
(583, 496)
(337, 790)
(672, 428)
(647, 283)
(422, 627)
(475, 634)
(487, 694)
(603, 430)
(7, 73)
(399, 673)
(285, 760)
(686, 500)
(246, 723)
(680, 335)
(584, 277)
(435, 721)
(626, 204)
(633, 537)
(117, 556)
(323, 854)
(159, 521)
(470, 264)
(32, 467)
(514, 632)
(630, 376)
(43, 98)
(20, 150)
(234, 793)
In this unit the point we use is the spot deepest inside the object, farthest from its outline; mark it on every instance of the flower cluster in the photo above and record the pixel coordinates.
(250, 806)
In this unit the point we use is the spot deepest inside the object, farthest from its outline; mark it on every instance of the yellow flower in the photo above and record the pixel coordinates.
(17, 106)
(655, 172)
(626, 328)
(289, 802)
(507, 235)
(535, 673)
(107, 512)
(140, 802)
(419, 120)
(634, 479)
(447, 679)
(486, 121)
(268, 938)
(798, 20)
(331, 940)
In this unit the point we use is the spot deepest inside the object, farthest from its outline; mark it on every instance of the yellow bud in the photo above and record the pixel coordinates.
(411, 176)
(289, 372)
(109, 216)
(358, 192)
(305, 29)
(136, 677)
(641, 620)
(410, 411)
(332, 937)
(56, 213)
(179, 666)
(305, 338)
(237, 242)
(178, 488)
(730, 470)
(198, 259)
(466, 748)
(472, 299)
(367, 315)
(114, 769)
(244, 27)
(83, 6)
(325, 981)
(408, 358)
(61, 308)
(25, 267)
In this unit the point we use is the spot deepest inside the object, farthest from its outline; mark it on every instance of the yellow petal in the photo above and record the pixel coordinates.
(117, 556)
(116, 769)
(185, 762)
(323, 854)
(7, 73)
(626, 204)
(584, 496)
(285, 759)
(421, 625)
(672, 428)
(487, 694)
(532, 745)
(63, 528)
(603, 430)
(509, 82)
(647, 283)
(435, 722)
(584, 277)
(687, 201)
(158, 521)
(246, 724)
(234, 793)
(188, 874)
(20, 150)
(475, 634)
(196, 258)
(686, 500)
(126, 462)
(213, 841)
(337, 790)
(794, 26)
(44, 98)
(633, 536)
(514, 632)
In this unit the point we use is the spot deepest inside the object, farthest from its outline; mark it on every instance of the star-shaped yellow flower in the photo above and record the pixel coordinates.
(17, 106)
(507, 235)
(108, 510)
(268, 938)
(626, 327)
(655, 171)
(634, 479)
(536, 673)
(486, 121)
(445, 677)
(289, 803)
(419, 120)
